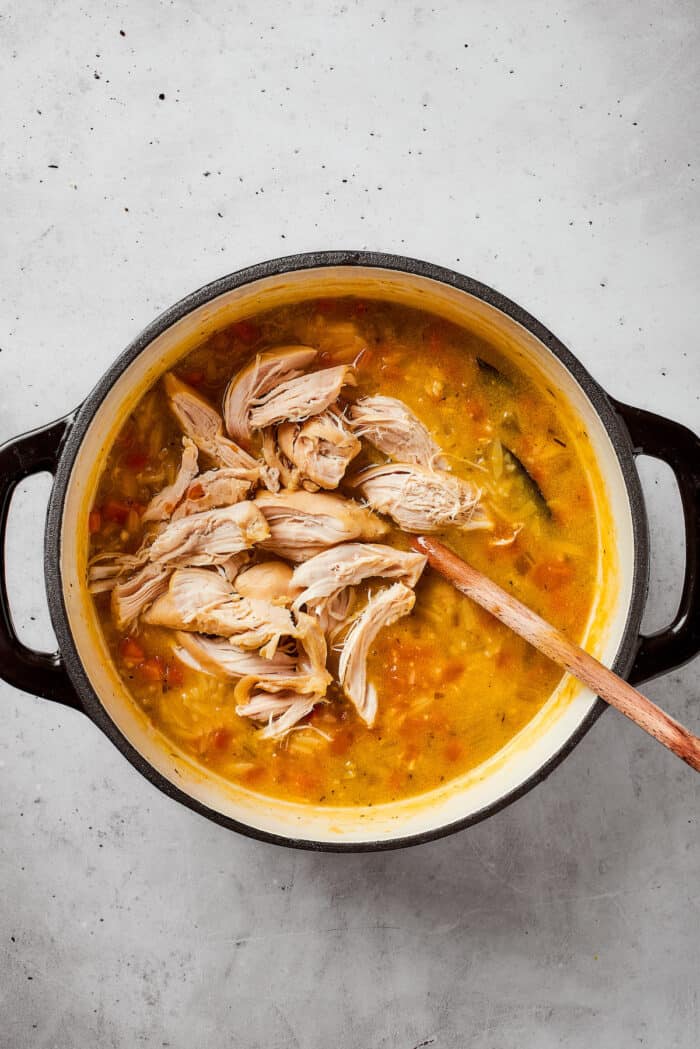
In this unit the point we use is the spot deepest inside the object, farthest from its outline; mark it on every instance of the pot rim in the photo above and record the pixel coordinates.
(613, 424)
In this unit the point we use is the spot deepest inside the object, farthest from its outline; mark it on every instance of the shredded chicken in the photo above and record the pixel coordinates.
(204, 602)
(348, 564)
(334, 613)
(258, 378)
(270, 581)
(421, 500)
(203, 425)
(232, 567)
(211, 490)
(163, 503)
(285, 683)
(382, 609)
(319, 450)
(108, 568)
(221, 658)
(134, 595)
(393, 429)
(210, 537)
(303, 523)
(300, 398)
(281, 711)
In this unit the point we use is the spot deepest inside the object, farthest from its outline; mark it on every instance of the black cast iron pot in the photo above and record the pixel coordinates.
(80, 675)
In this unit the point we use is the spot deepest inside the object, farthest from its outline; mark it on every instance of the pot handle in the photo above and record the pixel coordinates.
(679, 447)
(41, 673)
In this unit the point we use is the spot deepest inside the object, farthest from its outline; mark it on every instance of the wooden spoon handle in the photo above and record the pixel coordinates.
(545, 637)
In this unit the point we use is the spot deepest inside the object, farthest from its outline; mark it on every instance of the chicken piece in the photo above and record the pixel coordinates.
(134, 595)
(327, 574)
(303, 523)
(106, 569)
(382, 609)
(303, 671)
(280, 710)
(232, 567)
(210, 537)
(204, 602)
(269, 581)
(163, 503)
(319, 450)
(393, 429)
(211, 490)
(300, 398)
(276, 461)
(333, 613)
(221, 658)
(258, 378)
(203, 425)
(421, 500)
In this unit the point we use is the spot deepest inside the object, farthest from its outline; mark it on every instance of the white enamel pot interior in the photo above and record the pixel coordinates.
(527, 757)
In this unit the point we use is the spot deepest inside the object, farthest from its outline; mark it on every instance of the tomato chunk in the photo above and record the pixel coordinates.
(94, 521)
(131, 651)
(551, 575)
(152, 669)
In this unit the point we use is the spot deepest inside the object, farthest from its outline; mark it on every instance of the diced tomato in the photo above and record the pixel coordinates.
(136, 460)
(551, 575)
(174, 676)
(152, 669)
(359, 308)
(246, 331)
(113, 510)
(194, 377)
(220, 738)
(254, 775)
(116, 511)
(94, 521)
(131, 651)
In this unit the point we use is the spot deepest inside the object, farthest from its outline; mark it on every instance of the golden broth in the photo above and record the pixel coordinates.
(454, 686)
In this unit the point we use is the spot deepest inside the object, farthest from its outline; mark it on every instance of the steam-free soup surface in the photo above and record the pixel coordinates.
(454, 686)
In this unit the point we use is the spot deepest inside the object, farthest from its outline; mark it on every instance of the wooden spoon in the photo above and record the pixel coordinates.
(545, 637)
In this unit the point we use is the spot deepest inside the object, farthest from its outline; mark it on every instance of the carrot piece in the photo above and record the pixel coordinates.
(94, 521)
(551, 575)
(174, 676)
(453, 750)
(152, 669)
(116, 511)
(220, 738)
(131, 651)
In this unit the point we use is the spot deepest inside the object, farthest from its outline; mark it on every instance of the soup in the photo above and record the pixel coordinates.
(250, 555)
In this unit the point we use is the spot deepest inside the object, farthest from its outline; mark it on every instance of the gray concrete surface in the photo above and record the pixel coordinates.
(549, 149)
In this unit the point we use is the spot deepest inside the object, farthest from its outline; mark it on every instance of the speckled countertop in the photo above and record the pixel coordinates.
(549, 150)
